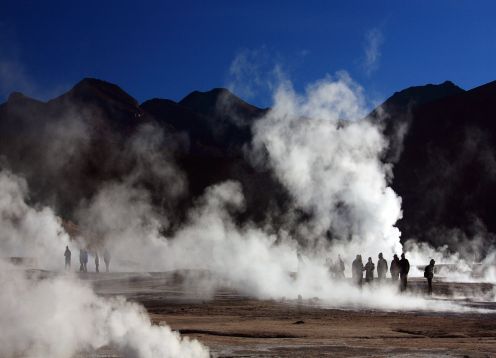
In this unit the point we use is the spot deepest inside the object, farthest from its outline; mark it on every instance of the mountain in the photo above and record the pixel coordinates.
(446, 173)
(396, 112)
(442, 143)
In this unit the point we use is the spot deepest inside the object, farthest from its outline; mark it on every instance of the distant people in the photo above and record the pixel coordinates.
(340, 267)
(429, 275)
(106, 259)
(67, 255)
(395, 268)
(382, 268)
(404, 269)
(369, 271)
(97, 262)
(357, 270)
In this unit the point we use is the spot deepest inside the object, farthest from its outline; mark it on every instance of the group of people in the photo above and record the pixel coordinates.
(399, 269)
(83, 260)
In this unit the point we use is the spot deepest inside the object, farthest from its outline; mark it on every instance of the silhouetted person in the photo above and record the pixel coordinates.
(357, 270)
(97, 262)
(81, 260)
(404, 269)
(340, 267)
(429, 275)
(395, 268)
(382, 268)
(369, 270)
(67, 255)
(106, 259)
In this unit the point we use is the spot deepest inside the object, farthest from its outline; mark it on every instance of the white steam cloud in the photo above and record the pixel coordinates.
(330, 163)
(374, 40)
(61, 316)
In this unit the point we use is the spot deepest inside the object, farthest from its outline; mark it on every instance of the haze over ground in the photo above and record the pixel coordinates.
(225, 155)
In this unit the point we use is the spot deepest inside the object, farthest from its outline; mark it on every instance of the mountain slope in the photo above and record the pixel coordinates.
(443, 142)
(446, 174)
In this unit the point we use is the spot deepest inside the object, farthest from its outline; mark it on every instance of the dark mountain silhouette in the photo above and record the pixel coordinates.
(447, 171)
(442, 143)
(396, 112)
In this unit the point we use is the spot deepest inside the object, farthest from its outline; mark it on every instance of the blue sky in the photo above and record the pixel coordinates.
(170, 48)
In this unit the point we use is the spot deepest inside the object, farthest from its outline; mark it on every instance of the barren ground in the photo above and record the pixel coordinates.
(233, 325)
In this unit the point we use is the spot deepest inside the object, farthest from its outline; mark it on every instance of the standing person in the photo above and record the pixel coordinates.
(357, 270)
(382, 268)
(395, 268)
(81, 260)
(404, 269)
(429, 275)
(369, 271)
(106, 259)
(85, 260)
(340, 267)
(67, 255)
(97, 262)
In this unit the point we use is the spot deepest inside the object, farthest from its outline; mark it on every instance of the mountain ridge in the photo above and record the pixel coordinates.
(442, 142)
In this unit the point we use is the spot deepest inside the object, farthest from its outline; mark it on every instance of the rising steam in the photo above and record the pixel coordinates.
(316, 145)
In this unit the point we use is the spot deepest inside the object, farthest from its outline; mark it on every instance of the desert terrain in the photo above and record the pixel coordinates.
(234, 325)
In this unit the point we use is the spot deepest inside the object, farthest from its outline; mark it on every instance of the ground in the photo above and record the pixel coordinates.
(239, 326)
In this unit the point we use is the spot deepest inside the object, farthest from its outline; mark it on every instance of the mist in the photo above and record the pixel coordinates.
(328, 158)
(317, 145)
(61, 316)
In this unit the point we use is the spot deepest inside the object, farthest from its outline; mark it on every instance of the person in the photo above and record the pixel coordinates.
(357, 270)
(340, 268)
(404, 269)
(97, 262)
(85, 260)
(395, 268)
(382, 268)
(67, 255)
(429, 275)
(106, 259)
(369, 271)
(81, 260)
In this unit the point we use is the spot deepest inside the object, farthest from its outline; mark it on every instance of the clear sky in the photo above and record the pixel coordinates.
(170, 48)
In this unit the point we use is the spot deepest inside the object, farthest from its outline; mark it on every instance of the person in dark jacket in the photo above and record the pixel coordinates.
(67, 255)
(429, 275)
(357, 270)
(369, 271)
(81, 260)
(97, 262)
(382, 268)
(404, 269)
(395, 268)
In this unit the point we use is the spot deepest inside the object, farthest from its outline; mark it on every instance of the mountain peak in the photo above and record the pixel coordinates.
(404, 100)
(426, 93)
(220, 102)
(16, 96)
(91, 89)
